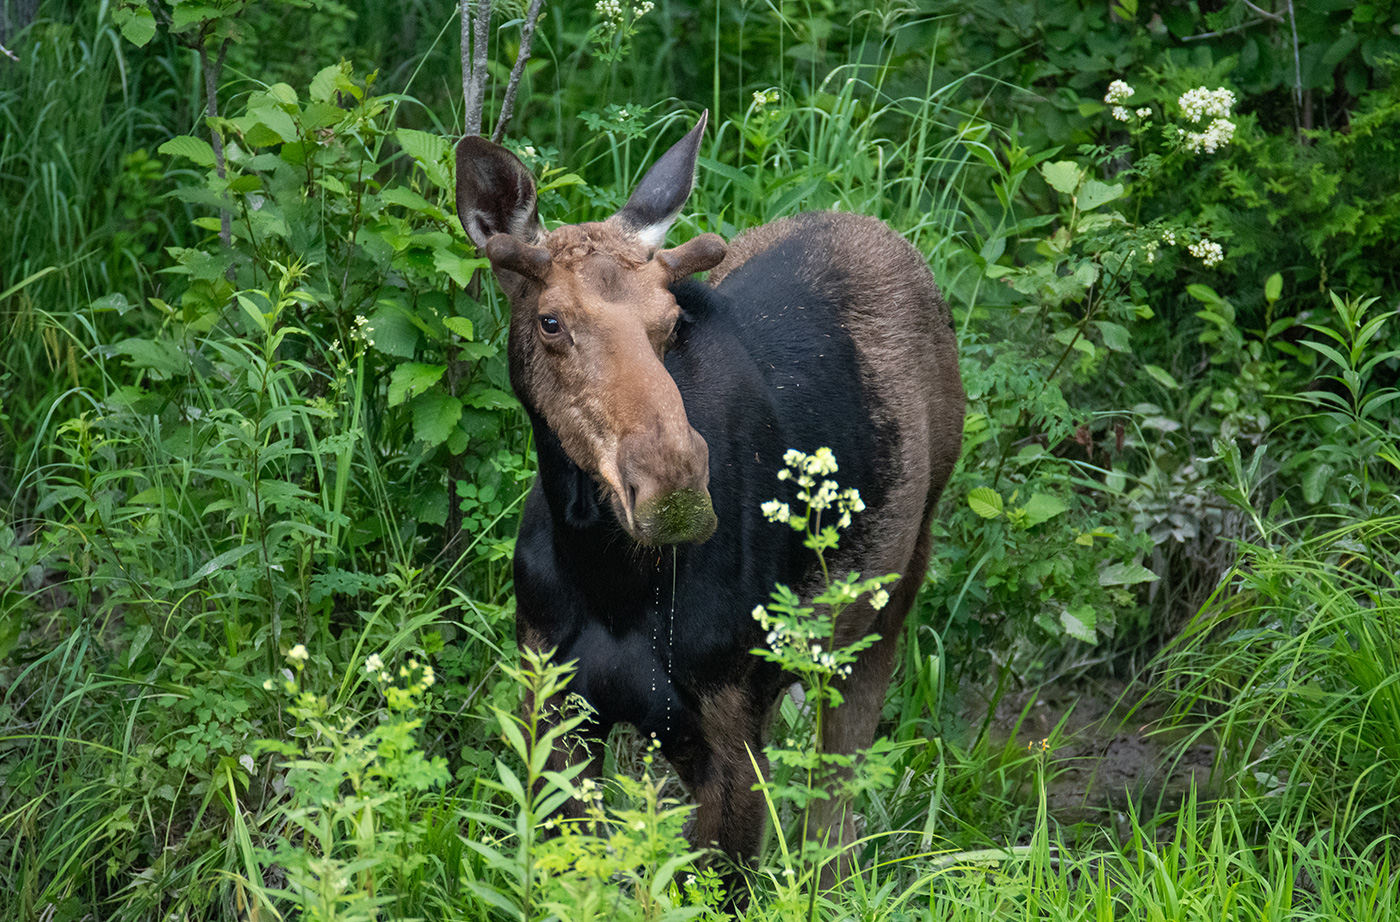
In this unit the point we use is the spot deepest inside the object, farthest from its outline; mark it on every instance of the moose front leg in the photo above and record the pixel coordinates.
(721, 766)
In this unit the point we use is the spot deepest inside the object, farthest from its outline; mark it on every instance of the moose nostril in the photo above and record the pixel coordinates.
(632, 496)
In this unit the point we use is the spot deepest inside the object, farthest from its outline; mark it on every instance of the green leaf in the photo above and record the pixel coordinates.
(1095, 193)
(435, 416)
(411, 200)
(1042, 507)
(1115, 336)
(489, 398)
(392, 332)
(1126, 574)
(428, 150)
(1161, 376)
(323, 85)
(1273, 288)
(137, 22)
(219, 562)
(412, 378)
(188, 14)
(985, 501)
(1062, 175)
(1315, 482)
(457, 268)
(1081, 623)
(461, 326)
(195, 149)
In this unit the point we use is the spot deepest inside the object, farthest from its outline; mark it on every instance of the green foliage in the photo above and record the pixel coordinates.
(295, 454)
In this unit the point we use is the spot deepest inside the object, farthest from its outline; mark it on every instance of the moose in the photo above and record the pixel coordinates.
(662, 408)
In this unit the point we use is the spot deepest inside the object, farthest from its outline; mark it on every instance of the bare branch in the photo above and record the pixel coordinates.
(211, 109)
(8, 53)
(475, 86)
(1273, 17)
(527, 35)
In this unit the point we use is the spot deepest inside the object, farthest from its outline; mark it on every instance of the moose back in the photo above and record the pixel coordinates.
(662, 407)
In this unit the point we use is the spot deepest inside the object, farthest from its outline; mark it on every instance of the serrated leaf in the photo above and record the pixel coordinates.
(985, 501)
(489, 398)
(1062, 175)
(461, 326)
(411, 379)
(193, 148)
(428, 150)
(1126, 573)
(457, 268)
(1042, 507)
(392, 332)
(435, 416)
(323, 85)
(1081, 623)
(1315, 482)
(283, 93)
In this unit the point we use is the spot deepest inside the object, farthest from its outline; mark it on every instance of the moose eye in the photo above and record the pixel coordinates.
(549, 324)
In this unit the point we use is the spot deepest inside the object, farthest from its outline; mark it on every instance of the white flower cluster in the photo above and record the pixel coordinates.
(1118, 93)
(805, 469)
(611, 12)
(763, 98)
(374, 668)
(1208, 251)
(790, 637)
(298, 655)
(1200, 104)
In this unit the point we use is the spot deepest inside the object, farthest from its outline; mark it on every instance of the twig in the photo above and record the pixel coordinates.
(8, 53)
(1219, 32)
(527, 34)
(1274, 17)
(478, 30)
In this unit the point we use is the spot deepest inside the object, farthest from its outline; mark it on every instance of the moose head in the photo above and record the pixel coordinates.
(592, 319)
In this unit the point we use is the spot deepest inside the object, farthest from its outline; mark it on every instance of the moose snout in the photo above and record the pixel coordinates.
(664, 484)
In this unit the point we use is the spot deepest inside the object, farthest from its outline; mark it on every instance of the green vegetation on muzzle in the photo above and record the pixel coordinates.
(677, 517)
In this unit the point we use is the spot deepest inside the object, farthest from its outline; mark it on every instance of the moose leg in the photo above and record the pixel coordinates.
(850, 728)
(720, 768)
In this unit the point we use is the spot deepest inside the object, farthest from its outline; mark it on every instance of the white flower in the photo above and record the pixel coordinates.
(1121, 114)
(646, 6)
(821, 462)
(1169, 237)
(775, 511)
(267, 685)
(1208, 251)
(1219, 133)
(824, 496)
(373, 664)
(298, 654)
(1144, 112)
(1203, 103)
(879, 599)
(1118, 92)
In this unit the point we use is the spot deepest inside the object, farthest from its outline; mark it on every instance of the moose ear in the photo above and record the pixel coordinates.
(495, 193)
(659, 197)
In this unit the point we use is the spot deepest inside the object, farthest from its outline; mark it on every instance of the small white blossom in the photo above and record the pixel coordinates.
(373, 664)
(775, 511)
(267, 685)
(1218, 134)
(879, 599)
(1144, 112)
(1202, 103)
(1118, 92)
(1169, 237)
(1208, 251)
(1121, 114)
(298, 654)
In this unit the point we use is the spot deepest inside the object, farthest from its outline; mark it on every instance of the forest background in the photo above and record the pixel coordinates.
(260, 467)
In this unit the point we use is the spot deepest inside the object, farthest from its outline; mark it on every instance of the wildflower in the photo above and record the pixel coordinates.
(1144, 112)
(879, 599)
(298, 654)
(1202, 103)
(528, 151)
(1118, 92)
(373, 664)
(267, 685)
(429, 677)
(1219, 133)
(646, 6)
(610, 11)
(822, 461)
(1121, 114)
(1208, 251)
(775, 511)
(1169, 237)
(639, 825)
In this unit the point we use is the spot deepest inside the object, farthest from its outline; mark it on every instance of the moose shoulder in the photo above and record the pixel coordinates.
(662, 408)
